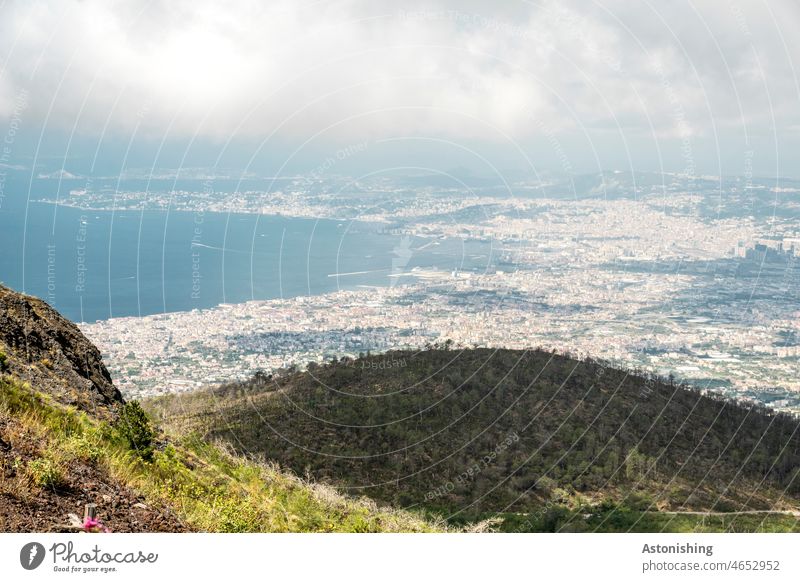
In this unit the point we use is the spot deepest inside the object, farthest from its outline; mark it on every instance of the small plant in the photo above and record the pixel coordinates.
(135, 427)
(45, 472)
(85, 447)
(3, 362)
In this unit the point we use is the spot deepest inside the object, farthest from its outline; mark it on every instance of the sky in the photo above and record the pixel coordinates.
(512, 88)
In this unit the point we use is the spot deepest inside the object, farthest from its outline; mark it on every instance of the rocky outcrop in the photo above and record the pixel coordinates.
(48, 351)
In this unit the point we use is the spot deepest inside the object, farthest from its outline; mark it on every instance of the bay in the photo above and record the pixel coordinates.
(93, 265)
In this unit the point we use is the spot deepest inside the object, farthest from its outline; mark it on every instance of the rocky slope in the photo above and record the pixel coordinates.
(41, 347)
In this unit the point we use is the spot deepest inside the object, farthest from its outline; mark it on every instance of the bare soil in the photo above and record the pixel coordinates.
(25, 507)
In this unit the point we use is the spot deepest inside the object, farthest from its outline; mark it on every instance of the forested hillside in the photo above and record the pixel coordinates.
(544, 440)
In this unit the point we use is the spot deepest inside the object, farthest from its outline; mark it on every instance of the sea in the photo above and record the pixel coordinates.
(98, 264)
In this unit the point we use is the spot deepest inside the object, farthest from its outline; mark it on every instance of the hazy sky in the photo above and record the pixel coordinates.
(281, 86)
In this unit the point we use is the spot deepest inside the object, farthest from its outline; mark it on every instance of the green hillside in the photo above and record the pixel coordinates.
(544, 441)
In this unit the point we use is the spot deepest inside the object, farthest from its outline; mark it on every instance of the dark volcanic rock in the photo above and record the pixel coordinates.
(50, 352)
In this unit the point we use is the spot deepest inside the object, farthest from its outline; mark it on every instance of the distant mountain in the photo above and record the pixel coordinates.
(544, 441)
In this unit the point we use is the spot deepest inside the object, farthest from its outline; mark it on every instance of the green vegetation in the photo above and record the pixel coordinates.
(45, 472)
(207, 486)
(610, 519)
(86, 446)
(135, 427)
(547, 442)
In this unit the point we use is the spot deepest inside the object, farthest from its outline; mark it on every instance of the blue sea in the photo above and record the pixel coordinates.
(93, 265)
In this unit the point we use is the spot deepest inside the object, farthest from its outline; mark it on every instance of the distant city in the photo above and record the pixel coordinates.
(683, 276)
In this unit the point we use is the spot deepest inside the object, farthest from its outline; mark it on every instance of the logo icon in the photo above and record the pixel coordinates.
(31, 555)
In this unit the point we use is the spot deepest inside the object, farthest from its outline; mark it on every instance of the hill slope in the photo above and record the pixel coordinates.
(544, 440)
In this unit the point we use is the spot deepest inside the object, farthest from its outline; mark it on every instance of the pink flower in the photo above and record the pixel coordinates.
(94, 525)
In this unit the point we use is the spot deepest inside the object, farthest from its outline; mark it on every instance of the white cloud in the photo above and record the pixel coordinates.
(368, 69)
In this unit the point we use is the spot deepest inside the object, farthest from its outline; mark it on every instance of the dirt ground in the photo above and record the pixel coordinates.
(27, 508)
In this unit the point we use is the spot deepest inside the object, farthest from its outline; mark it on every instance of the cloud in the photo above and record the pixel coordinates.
(370, 69)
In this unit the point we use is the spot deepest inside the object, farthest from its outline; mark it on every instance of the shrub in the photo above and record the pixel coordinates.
(85, 447)
(45, 472)
(134, 426)
(360, 524)
(3, 362)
